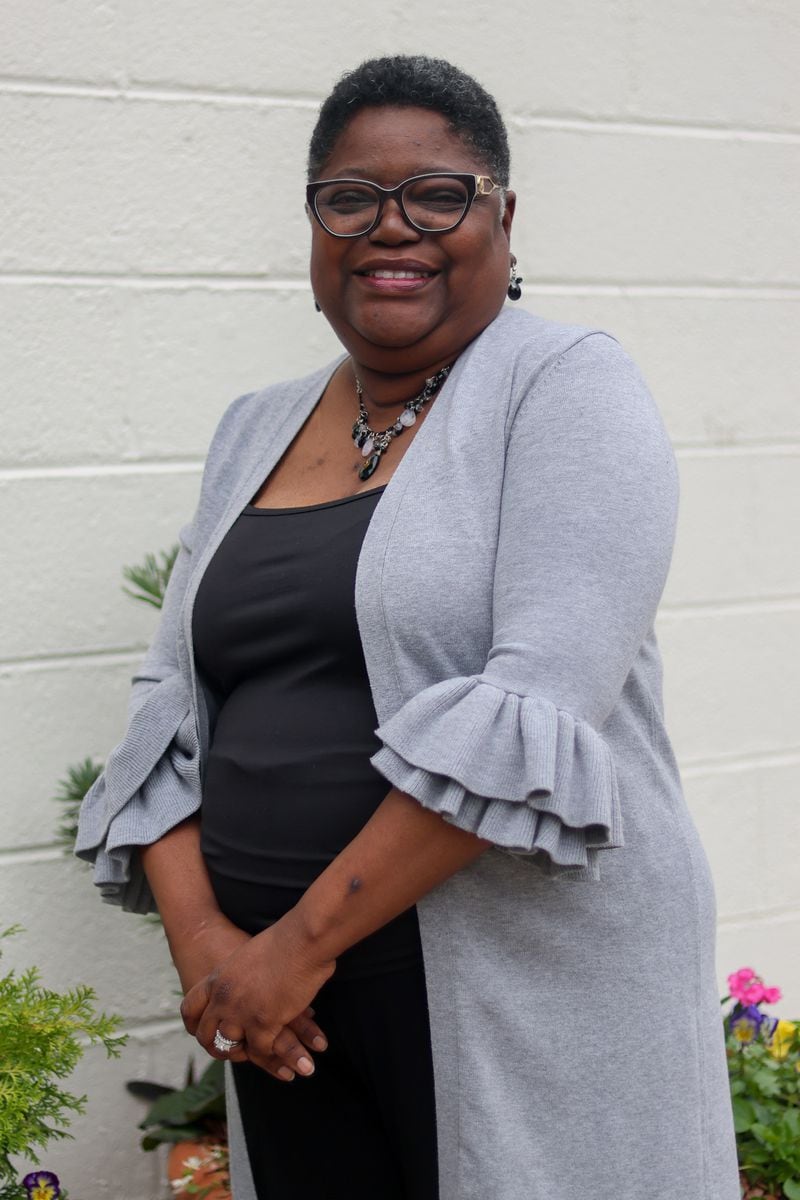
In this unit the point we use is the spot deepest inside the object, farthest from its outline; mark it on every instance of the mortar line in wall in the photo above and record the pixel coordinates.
(32, 854)
(740, 606)
(111, 656)
(734, 764)
(187, 281)
(146, 92)
(654, 128)
(187, 93)
(701, 291)
(750, 449)
(47, 471)
(135, 281)
(102, 470)
(783, 914)
(148, 1028)
(124, 655)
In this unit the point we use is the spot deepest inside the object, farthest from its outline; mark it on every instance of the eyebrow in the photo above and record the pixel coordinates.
(363, 173)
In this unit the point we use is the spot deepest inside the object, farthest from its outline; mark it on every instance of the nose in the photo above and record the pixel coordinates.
(392, 226)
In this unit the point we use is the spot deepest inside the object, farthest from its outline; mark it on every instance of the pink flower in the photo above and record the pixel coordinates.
(747, 988)
(738, 982)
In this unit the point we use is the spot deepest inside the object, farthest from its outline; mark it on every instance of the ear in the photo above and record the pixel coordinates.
(508, 215)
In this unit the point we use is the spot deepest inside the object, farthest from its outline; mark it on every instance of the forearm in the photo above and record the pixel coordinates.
(402, 852)
(203, 942)
(178, 877)
(194, 926)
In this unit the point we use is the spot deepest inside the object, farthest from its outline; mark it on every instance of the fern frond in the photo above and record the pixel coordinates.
(70, 792)
(150, 577)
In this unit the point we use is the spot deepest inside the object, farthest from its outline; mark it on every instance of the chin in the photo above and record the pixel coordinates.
(391, 339)
(389, 332)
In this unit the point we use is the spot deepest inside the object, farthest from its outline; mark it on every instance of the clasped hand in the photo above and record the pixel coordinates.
(261, 994)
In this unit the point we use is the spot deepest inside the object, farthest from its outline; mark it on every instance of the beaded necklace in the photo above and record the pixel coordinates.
(373, 443)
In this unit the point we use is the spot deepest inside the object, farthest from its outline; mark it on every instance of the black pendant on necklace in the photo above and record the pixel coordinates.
(372, 442)
(370, 466)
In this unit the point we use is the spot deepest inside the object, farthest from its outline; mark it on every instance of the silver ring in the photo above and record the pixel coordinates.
(225, 1045)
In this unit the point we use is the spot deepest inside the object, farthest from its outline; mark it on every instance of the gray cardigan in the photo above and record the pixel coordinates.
(506, 593)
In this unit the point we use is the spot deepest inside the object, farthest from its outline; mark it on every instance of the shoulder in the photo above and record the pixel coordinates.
(248, 427)
(573, 394)
(527, 339)
(568, 373)
(254, 418)
(532, 347)
(523, 357)
(267, 406)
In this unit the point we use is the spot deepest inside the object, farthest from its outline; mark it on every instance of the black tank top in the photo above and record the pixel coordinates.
(288, 781)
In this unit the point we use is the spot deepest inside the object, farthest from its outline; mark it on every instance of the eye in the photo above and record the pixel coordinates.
(438, 195)
(345, 198)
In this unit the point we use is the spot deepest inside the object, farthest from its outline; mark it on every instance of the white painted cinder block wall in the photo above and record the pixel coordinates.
(153, 265)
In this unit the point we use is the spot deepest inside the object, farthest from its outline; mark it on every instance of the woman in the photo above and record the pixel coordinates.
(496, 903)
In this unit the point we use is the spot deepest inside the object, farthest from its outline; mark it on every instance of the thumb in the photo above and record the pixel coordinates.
(194, 1004)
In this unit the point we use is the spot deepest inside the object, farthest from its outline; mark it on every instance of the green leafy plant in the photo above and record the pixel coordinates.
(71, 790)
(195, 1111)
(150, 578)
(43, 1034)
(193, 1114)
(764, 1069)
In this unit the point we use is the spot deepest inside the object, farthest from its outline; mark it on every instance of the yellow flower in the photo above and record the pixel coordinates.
(782, 1039)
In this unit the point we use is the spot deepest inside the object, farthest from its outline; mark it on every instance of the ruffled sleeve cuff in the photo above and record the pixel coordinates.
(513, 769)
(151, 783)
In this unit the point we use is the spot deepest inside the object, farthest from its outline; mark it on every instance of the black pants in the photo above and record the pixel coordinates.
(363, 1126)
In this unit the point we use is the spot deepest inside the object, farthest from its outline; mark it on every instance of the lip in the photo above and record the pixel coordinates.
(427, 274)
(394, 264)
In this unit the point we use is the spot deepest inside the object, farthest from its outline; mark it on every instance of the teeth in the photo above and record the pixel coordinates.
(398, 274)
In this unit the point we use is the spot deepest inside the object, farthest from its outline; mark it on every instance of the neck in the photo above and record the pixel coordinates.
(386, 391)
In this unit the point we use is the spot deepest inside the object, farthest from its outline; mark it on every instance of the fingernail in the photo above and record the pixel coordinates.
(320, 1043)
(285, 1073)
(305, 1065)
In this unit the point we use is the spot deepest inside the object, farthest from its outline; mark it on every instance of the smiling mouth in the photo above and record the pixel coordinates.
(381, 274)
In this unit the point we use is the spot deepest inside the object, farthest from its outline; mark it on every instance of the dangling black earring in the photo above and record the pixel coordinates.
(514, 281)
(316, 306)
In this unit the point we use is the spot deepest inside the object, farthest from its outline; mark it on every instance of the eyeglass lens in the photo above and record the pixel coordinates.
(432, 203)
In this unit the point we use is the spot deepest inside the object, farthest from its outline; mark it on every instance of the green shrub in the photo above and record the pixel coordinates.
(43, 1034)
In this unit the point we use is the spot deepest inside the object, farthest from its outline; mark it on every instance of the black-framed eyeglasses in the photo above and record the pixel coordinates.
(433, 203)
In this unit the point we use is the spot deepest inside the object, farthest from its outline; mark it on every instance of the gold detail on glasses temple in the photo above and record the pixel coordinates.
(484, 185)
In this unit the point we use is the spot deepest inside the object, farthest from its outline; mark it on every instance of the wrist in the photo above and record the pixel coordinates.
(297, 933)
(206, 924)
(203, 945)
(194, 925)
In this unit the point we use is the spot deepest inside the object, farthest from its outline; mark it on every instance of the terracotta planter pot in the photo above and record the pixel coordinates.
(207, 1173)
(755, 1191)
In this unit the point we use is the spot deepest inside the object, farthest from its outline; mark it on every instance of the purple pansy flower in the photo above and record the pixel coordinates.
(42, 1185)
(747, 1021)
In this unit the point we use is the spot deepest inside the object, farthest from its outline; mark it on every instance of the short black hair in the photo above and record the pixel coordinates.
(415, 81)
